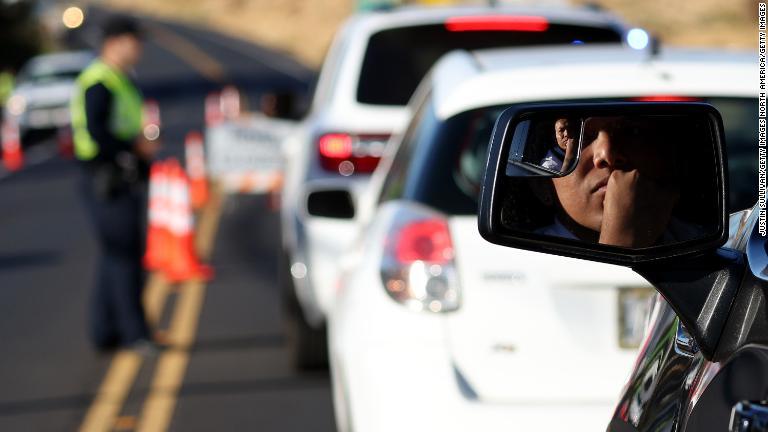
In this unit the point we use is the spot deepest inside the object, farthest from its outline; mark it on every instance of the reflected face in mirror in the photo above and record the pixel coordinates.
(565, 136)
(635, 181)
(564, 133)
(561, 153)
(624, 187)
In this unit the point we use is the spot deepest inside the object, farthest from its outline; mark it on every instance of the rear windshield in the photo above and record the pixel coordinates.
(54, 67)
(447, 159)
(397, 59)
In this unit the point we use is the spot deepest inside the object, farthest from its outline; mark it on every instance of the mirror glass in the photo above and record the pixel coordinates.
(629, 181)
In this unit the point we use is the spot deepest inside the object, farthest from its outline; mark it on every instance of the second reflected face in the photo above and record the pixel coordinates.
(563, 133)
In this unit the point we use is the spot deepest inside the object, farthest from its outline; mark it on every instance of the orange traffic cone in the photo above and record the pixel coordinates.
(64, 142)
(13, 157)
(156, 255)
(213, 113)
(195, 157)
(184, 264)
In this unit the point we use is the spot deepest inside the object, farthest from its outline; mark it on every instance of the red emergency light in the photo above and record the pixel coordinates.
(665, 98)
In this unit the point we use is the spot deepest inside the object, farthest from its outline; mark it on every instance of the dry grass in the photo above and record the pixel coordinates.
(720, 23)
(304, 28)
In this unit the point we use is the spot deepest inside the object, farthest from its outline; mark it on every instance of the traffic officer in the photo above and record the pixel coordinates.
(107, 124)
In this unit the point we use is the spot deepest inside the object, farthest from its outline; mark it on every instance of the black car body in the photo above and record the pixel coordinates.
(673, 387)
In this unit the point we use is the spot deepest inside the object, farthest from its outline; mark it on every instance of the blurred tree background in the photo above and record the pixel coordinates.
(712, 23)
(21, 35)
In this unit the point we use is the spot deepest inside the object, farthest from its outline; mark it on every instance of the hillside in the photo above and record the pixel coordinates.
(305, 28)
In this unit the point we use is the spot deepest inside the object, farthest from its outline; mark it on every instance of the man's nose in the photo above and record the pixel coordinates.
(606, 153)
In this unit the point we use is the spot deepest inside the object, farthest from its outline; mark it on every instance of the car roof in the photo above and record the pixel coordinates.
(404, 16)
(463, 80)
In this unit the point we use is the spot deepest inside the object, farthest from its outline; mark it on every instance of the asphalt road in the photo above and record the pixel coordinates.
(238, 375)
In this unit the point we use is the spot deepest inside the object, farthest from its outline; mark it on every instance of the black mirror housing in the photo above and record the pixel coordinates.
(682, 134)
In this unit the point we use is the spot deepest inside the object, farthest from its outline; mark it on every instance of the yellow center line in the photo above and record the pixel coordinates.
(157, 412)
(155, 294)
(125, 366)
(209, 220)
(169, 374)
(113, 391)
(196, 58)
(158, 408)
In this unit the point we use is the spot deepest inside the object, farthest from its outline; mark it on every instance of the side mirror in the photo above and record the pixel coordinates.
(620, 183)
(331, 203)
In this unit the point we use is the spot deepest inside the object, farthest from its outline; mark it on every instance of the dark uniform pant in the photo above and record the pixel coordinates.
(117, 315)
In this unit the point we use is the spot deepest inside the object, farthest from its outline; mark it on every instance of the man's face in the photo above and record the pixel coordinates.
(127, 48)
(563, 134)
(610, 143)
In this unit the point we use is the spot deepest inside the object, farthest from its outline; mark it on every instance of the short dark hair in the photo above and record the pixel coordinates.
(121, 25)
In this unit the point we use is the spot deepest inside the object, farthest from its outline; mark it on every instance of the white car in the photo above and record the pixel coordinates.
(434, 329)
(44, 85)
(375, 63)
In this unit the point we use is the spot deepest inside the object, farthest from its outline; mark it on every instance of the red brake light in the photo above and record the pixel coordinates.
(497, 23)
(336, 146)
(417, 268)
(426, 240)
(348, 154)
(665, 98)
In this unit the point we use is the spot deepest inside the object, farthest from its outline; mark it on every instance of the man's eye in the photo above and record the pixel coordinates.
(633, 132)
(589, 136)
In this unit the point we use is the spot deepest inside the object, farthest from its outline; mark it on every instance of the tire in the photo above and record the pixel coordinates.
(307, 346)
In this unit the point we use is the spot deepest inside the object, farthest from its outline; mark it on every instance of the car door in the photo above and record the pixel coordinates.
(672, 387)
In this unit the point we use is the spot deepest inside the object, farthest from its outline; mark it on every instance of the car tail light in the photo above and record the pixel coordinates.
(665, 98)
(418, 269)
(348, 154)
(497, 23)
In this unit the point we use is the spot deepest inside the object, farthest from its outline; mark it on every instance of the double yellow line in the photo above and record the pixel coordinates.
(168, 376)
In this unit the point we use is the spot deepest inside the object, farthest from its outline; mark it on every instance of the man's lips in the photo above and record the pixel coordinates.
(601, 185)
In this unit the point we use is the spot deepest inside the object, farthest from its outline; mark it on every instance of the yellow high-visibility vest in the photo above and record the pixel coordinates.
(6, 86)
(125, 120)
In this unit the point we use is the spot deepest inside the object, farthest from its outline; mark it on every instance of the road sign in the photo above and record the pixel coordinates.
(247, 155)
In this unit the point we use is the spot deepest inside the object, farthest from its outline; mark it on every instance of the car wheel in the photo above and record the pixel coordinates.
(307, 346)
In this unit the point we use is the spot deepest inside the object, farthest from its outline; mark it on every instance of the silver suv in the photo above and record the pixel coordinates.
(40, 101)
